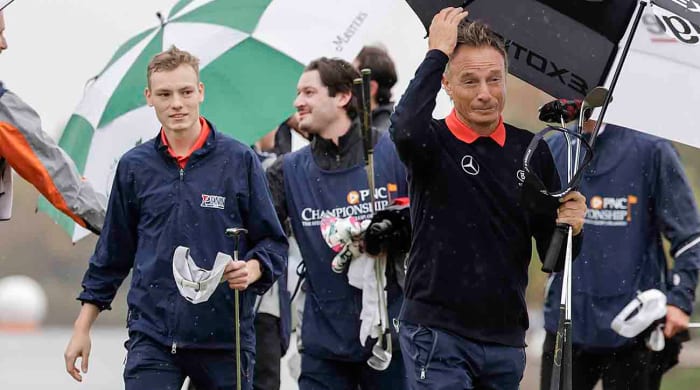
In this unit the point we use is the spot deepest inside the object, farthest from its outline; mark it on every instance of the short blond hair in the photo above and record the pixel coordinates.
(171, 59)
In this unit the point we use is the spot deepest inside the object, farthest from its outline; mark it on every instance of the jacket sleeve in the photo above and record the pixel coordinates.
(543, 224)
(676, 209)
(114, 254)
(268, 241)
(36, 157)
(410, 123)
(275, 179)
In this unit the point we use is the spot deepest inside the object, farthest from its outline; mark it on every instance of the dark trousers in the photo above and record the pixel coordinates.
(324, 374)
(621, 369)
(150, 365)
(268, 352)
(439, 360)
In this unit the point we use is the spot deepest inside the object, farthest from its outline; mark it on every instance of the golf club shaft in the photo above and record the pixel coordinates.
(561, 365)
(694, 325)
(237, 309)
(567, 367)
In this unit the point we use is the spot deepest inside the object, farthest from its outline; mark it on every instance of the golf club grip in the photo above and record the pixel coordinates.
(367, 110)
(559, 348)
(555, 245)
(566, 364)
(358, 92)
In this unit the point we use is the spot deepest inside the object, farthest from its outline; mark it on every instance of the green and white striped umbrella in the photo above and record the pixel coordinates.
(251, 55)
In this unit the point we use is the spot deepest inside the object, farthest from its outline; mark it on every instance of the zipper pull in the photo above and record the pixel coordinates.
(396, 324)
(173, 350)
(337, 158)
(182, 173)
(422, 373)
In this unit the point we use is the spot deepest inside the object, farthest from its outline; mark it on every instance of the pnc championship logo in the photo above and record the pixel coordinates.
(610, 211)
(358, 205)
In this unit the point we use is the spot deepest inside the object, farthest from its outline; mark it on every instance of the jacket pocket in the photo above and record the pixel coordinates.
(423, 342)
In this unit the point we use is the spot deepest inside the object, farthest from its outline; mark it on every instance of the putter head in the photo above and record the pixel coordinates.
(235, 232)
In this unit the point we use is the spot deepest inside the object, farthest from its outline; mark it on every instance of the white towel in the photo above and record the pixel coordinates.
(343, 235)
(361, 274)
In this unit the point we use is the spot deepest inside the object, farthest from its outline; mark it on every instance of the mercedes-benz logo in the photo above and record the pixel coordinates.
(470, 165)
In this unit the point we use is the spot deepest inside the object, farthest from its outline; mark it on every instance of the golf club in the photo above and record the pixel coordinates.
(381, 357)
(235, 233)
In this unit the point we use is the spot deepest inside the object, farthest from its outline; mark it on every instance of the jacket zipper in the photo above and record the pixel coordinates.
(173, 349)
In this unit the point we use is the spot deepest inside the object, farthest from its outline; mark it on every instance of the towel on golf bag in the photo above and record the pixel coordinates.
(343, 235)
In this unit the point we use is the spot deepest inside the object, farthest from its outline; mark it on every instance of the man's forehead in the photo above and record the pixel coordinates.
(311, 78)
(177, 78)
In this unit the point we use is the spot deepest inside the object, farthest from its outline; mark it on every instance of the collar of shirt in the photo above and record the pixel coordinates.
(345, 142)
(466, 134)
(201, 139)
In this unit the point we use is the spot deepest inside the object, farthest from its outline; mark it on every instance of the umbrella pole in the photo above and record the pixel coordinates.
(618, 70)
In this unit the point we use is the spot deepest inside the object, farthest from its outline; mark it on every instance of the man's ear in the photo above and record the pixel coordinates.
(373, 88)
(147, 94)
(446, 86)
(343, 98)
(201, 91)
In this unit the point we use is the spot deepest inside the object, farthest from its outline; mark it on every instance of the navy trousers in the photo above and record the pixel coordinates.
(439, 360)
(323, 374)
(150, 365)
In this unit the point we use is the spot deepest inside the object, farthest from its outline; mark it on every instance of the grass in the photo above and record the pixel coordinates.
(681, 378)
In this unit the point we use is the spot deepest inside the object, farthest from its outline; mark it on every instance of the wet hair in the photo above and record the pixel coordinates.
(477, 34)
(383, 70)
(171, 59)
(337, 75)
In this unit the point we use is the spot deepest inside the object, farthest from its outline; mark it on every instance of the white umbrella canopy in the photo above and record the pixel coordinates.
(251, 54)
(658, 91)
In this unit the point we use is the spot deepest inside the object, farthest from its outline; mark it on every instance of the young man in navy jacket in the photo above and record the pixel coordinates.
(637, 193)
(464, 316)
(185, 187)
(328, 177)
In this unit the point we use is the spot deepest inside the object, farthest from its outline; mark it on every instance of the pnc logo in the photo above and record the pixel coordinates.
(353, 197)
(597, 202)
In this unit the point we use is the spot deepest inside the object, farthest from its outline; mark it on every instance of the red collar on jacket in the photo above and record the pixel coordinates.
(201, 139)
(466, 134)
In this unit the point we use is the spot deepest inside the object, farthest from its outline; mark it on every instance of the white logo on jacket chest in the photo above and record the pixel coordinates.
(470, 165)
(213, 201)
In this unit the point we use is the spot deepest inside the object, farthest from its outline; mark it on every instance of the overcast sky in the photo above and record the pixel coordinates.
(57, 45)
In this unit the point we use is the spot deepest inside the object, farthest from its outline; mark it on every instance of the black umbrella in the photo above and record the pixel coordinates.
(564, 48)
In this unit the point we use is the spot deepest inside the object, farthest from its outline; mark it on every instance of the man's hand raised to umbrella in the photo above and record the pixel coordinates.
(241, 274)
(443, 29)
